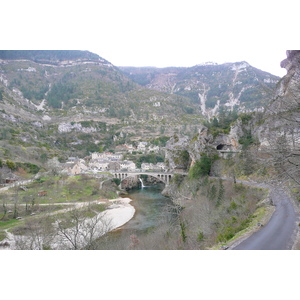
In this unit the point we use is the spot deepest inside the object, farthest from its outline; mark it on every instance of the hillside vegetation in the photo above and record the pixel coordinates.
(211, 85)
(73, 102)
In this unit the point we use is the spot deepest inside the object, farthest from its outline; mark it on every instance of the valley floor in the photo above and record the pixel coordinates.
(119, 211)
(117, 214)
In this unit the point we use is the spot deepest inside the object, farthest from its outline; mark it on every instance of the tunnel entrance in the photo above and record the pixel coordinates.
(220, 147)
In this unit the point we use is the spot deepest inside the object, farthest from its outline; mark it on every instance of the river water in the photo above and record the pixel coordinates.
(152, 209)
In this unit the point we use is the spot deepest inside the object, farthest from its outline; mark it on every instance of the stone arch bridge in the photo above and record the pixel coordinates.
(165, 177)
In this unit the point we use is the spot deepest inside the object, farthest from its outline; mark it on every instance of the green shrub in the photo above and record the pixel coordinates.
(233, 206)
(177, 179)
(11, 165)
(227, 234)
(28, 167)
(117, 181)
(183, 231)
(246, 118)
(200, 236)
(246, 140)
(223, 124)
(182, 159)
(235, 225)
(201, 167)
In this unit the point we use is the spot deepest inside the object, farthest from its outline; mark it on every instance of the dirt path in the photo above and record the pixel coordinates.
(18, 183)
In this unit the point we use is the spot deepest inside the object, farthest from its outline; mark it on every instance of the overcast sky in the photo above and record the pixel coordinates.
(154, 33)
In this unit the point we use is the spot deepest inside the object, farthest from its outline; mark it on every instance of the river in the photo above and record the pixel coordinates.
(152, 209)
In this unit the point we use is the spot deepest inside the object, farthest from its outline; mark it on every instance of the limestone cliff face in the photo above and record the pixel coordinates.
(183, 152)
(282, 116)
(288, 89)
(176, 153)
(230, 142)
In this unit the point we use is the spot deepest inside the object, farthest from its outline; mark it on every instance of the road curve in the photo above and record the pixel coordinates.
(279, 233)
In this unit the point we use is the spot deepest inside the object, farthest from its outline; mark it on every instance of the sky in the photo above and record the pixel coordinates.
(157, 33)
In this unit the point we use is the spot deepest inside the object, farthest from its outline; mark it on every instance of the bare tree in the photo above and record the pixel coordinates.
(16, 206)
(77, 230)
(38, 234)
(4, 205)
(286, 160)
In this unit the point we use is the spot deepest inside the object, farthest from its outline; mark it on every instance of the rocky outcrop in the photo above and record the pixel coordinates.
(199, 143)
(282, 116)
(68, 127)
(230, 142)
(130, 183)
(176, 153)
(183, 152)
(288, 89)
(279, 134)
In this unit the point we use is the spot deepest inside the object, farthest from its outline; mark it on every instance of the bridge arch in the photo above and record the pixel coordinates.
(163, 177)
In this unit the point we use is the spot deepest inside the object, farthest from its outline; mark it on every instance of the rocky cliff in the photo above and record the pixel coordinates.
(279, 133)
(282, 116)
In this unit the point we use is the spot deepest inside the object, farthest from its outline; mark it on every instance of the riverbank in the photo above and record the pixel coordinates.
(118, 213)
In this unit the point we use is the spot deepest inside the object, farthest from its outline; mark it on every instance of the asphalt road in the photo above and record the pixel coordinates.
(280, 231)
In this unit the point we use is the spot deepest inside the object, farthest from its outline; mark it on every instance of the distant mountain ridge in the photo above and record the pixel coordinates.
(211, 85)
(48, 56)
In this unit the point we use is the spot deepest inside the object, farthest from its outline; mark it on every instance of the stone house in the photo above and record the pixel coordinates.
(157, 167)
(76, 167)
(114, 166)
(161, 166)
(147, 166)
(101, 165)
(127, 165)
(107, 155)
(125, 148)
(142, 146)
(154, 149)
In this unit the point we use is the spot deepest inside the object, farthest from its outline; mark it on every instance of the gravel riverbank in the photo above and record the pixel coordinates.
(119, 212)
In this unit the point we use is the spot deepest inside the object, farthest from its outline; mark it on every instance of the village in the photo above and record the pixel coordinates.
(109, 161)
(97, 163)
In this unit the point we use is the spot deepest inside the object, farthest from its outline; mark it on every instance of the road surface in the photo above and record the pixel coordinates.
(279, 233)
